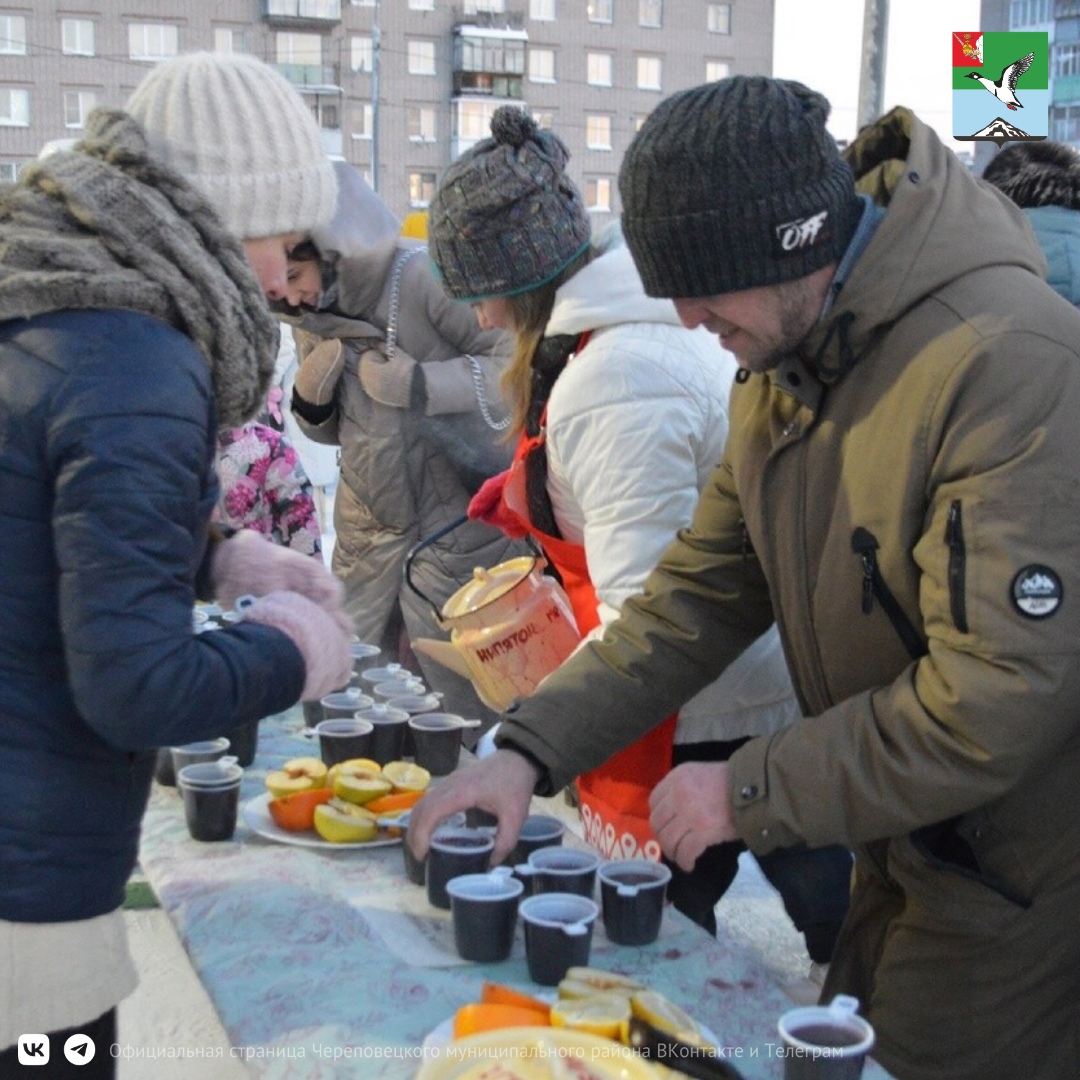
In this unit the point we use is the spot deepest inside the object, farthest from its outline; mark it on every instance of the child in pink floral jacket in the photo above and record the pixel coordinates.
(264, 487)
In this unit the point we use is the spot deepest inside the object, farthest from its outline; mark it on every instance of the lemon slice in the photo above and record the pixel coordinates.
(655, 1009)
(583, 982)
(405, 776)
(605, 1015)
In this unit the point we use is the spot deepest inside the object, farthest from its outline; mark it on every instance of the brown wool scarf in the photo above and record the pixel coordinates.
(106, 226)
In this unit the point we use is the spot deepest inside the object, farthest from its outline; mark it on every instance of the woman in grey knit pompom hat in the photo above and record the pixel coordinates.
(506, 218)
(735, 185)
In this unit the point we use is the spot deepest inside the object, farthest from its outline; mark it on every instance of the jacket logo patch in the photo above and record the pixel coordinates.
(1037, 591)
(803, 232)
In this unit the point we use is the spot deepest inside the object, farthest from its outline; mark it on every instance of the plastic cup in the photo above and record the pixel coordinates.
(198, 752)
(211, 791)
(437, 741)
(451, 853)
(164, 773)
(558, 934)
(416, 870)
(344, 703)
(243, 741)
(538, 831)
(632, 892)
(363, 656)
(560, 870)
(388, 736)
(394, 688)
(825, 1042)
(484, 909)
(344, 738)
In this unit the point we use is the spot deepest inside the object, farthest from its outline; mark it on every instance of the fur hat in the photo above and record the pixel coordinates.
(242, 135)
(735, 185)
(1038, 173)
(506, 217)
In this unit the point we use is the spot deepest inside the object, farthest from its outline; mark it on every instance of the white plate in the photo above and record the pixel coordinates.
(258, 819)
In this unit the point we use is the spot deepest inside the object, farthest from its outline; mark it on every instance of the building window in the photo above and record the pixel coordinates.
(715, 70)
(541, 65)
(363, 122)
(545, 121)
(598, 132)
(484, 7)
(227, 40)
(1029, 13)
(718, 18)
(421, 57)
(421, 5)
(601, 11)
(305, 9)
(152, 41)
(1066, 60)
(301, 50)
(9, 172)
(598, 193)
(77, 37)
(77, 104)
(599, 66)
(648, 73)
(542, 10)
(421, 123)
(14, 107)
(650, 13)
(473, 120)
(637, 122)
(362, 53)
(12, 35)
(421, 189)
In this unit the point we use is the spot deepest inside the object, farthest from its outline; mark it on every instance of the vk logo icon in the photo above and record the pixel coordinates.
(33, 1049)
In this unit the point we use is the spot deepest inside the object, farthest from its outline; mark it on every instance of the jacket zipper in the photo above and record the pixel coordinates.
(865, 545)
(954, 537)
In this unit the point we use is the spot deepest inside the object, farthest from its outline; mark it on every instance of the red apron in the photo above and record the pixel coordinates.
(614, 797)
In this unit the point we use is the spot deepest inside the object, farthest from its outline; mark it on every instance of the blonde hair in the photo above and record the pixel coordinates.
(529, 314)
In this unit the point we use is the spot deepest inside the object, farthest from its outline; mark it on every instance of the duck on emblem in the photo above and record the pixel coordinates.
(1005, 88)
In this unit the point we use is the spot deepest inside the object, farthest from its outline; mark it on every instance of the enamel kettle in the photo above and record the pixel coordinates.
(509, 626)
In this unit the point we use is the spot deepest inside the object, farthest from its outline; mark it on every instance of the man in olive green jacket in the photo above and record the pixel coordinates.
(900, 491)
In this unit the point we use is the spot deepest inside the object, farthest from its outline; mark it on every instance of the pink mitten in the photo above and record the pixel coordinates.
(487, 505)
(322, 641)
(250, 564)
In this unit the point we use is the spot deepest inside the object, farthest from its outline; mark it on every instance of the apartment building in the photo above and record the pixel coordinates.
(399, 87)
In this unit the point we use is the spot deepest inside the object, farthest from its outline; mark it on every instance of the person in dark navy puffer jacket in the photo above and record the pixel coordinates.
(133, 321)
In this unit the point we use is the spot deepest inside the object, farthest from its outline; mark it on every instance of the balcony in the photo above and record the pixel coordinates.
(301, 13)
(312, 78)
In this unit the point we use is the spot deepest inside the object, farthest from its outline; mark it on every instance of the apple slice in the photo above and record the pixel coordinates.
(343, 823)
(297, 774)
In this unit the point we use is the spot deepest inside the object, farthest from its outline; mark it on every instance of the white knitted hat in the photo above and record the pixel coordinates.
(235, 129)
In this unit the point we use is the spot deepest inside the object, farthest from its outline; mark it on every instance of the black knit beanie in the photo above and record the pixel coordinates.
(506, 218)
(735, 185)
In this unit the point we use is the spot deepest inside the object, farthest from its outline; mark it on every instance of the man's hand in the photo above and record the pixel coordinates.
(501, 784)
(689, 811)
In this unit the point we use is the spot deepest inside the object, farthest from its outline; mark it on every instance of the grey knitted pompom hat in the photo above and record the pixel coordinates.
(506, 218)
(735, 185)
(242, 135)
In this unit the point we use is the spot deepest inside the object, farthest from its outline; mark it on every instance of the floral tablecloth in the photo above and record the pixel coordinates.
(325, 964)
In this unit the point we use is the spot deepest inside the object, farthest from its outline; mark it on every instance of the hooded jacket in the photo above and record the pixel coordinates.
(901, 494)
(1057, 229)
(399, 484)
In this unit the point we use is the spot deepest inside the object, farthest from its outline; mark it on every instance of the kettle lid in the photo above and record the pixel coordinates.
(488, 586)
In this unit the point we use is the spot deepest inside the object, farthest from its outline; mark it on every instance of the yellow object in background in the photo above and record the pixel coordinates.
(415, 225)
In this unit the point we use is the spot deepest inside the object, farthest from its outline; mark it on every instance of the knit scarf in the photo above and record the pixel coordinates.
(107, 226)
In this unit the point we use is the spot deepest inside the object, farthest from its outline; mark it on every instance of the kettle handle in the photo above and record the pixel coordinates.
(438, 535)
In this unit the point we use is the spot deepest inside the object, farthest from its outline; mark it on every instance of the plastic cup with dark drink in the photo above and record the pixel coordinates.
(437, 740)
(243, 741)
(560, 870)
(632, 892)
(363, 657)
(558, 934)
(197, 753)
(388, 736)
(415, 870)
(344, 738)
(164, 773)
(345, 704)
(484, 909)
(825, 1042)
(454, 852)
(539, 831)
(211, 792)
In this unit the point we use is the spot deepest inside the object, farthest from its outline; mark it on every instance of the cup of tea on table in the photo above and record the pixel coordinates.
(632, 893)
(484, 909)
(558, 934)
(451, 853)
(211, 791)
(825, 1042)
(560, 869)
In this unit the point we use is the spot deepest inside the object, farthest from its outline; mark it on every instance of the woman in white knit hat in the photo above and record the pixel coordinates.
(133, 322)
